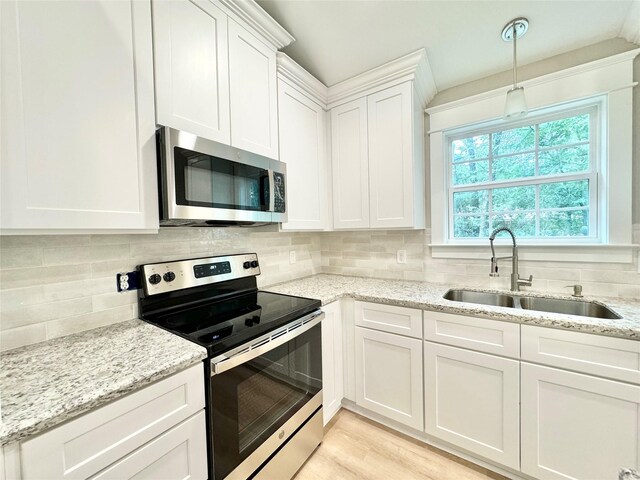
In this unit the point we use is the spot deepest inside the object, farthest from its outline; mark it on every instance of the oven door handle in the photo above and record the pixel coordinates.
(223, 363)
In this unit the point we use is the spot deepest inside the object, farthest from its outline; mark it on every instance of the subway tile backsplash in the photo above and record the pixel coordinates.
(55, 285)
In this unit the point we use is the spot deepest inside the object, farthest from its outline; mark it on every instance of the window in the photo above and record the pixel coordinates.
(538, 177)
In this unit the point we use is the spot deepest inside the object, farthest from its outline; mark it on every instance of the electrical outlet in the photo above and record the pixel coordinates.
(292, 256)
(401, 256)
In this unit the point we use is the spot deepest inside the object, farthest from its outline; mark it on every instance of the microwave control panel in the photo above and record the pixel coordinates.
(279, 193)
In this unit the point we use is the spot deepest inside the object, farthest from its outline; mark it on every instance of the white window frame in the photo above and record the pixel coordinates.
(597, 163)
(610, 77)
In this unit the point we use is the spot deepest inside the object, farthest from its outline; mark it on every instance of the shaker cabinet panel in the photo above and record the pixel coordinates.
(191, 66)
(77, 114)
(178, 454)
(350, 165)
(332, 360)
(472, 401)
(302, 147)
(252, 80)
(390, 123)
(576, 426)
(389, 376)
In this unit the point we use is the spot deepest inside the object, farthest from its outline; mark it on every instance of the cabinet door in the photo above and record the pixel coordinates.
(191, 65)
(576, 426)
(350, 165)
(302, 136)
(472, 401)
(390, 126)
(389, 376)
(178, 454)
(77, 115)
(332, 363)
(252, 79)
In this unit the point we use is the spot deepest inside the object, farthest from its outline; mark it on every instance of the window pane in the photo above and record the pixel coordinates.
(523, 224)
(473, 226)
(514, 141)
(471, 202)
(514, 198)
(515, 166)
(564, 131)
(472, 148)
(474, 172)
(564, 194)
(564, 160)
(572, 223)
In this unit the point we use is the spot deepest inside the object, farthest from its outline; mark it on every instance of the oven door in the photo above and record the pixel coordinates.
(206, 180)
(260, 397)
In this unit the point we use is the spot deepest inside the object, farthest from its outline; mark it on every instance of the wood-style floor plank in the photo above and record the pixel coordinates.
(356, 448)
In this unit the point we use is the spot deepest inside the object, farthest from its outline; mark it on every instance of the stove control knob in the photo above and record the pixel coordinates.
(256, 320)
(155, 279)
(248, 322)
(254, 264)
(246, 265)
(169, 277)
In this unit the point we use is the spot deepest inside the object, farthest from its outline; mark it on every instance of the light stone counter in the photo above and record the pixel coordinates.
(48, 383)
(428, 296)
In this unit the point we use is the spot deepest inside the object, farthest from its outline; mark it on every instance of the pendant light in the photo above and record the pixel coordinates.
(516, 104)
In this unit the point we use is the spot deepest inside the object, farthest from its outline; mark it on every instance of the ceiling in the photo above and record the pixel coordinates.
(337, 39)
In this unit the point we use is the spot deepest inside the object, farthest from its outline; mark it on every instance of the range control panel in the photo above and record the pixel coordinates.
(171, 276)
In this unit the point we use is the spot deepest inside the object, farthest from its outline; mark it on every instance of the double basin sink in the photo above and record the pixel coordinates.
(540, 304)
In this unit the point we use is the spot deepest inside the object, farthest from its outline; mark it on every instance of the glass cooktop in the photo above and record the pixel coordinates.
(225, 324)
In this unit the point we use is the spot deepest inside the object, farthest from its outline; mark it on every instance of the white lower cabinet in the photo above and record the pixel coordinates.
(576, 426)
(157, 432)
(174, 455)
(388, 371)
(332, 360)
(472, 401)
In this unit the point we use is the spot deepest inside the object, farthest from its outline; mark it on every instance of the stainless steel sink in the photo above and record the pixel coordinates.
(569, 307)
(541, 304)
(484, 298)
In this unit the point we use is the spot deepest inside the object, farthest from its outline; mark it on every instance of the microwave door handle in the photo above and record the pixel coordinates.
(272, 191)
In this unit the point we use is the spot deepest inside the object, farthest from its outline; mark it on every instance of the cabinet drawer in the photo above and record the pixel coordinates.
(179, 454)
(389, 318)
(91, 442)
(481, 334)
(595, 354)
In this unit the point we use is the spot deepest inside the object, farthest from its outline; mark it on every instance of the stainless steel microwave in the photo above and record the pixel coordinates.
(203, 182)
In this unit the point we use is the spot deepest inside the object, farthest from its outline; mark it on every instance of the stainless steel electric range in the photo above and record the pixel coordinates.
(263, 374)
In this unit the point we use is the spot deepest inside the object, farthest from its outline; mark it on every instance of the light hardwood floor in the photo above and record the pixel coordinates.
(357, 448)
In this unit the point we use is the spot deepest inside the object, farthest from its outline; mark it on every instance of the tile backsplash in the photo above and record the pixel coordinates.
(54, 285)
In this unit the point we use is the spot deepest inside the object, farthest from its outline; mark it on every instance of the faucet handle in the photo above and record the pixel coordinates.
(577, 290)
(526, 282)
(494, 267)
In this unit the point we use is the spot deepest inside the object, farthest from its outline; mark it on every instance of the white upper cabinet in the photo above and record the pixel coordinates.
(350, 165)
(191, 66)
(392, 178)
(77, 115)
(215, 64)
(377, 157)
(302, 147)
(252, 78)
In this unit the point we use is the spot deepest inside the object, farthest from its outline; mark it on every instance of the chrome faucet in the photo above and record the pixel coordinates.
(516, 281)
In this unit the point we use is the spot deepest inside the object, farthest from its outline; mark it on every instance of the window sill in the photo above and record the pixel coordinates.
(595, 253)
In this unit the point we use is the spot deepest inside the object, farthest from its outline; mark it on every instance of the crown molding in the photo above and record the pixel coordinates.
(627, 56)
(290, 70)
(630, 30)
(412, 67)
(253, 14)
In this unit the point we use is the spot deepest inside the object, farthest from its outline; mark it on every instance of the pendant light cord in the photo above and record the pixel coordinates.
(515, 37)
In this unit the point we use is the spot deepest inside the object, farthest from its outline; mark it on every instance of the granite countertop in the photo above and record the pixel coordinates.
(428, 296)
(48, 383)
